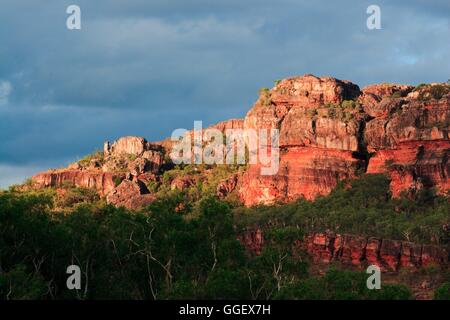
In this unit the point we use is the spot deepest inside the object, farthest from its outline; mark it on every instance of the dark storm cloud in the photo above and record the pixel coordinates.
(147, 67)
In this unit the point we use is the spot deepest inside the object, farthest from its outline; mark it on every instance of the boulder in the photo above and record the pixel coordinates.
(132, 195)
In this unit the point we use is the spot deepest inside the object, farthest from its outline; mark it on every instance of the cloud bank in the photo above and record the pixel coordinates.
(147, 67)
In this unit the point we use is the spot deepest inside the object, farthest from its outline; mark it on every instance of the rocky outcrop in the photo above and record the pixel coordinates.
(303, 172)
(389, 255)
(378, 99)
(127, 145)
(132, 195)
(319, 138)
(228, 124)
(359, 251)
(130, 160)
(227, 186)
(101, 181)
(330, 131)
(414, 165)
(222, 126)
(252, 240)
(182, 183)
(411, 144)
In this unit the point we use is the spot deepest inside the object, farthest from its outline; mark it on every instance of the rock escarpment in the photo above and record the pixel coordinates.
(359, 251)
(409, 140)
(330, 130)
(120, 173)
(389, 255)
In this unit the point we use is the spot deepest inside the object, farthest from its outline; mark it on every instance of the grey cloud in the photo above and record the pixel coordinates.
(147, 67)
(5, 91)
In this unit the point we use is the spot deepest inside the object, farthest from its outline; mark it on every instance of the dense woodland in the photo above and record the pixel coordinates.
(185, 248)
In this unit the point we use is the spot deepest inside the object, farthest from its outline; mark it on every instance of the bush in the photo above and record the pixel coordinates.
(117, 180)
(77, 195)
(438, 91)
(265, 97)
(443, 292)
(341, 285)
(362, 207)
(96, 155)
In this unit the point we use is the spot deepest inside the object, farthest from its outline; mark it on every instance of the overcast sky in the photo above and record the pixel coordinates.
(146, 67)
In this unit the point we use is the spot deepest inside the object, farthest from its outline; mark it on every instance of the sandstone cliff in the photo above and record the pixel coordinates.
(359, 251)
(330, 130)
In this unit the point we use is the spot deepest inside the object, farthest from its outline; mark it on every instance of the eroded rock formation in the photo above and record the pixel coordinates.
(101, 181)
(330, 130)
(359, 251)
(389, 255)
(120, 173)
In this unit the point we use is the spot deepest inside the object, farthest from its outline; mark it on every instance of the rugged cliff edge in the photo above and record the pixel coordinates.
(330, 130)
(359, 251)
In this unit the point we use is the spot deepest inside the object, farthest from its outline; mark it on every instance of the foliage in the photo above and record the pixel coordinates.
(362, 206)
(95, 156)
(435, 91)
(117, 180)
(76, 195)
(265, 97)
(341, 285)
(179, 248)
(206, 178)
(443, 292)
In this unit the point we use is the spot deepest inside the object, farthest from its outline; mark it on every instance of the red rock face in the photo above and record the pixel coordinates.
(415, 165)
(322, 246)
(227, 186)
(129, 145)
(310, 90)
(317, 145)
(327, 128)
(323, 138)
(132, 195)
(102, 182)
(410, 255)
(389, 255)
(373, 251)
(390, 252)
(358, 251)
(353, 249)
(228, 124)
(303, 172)
(433, 256)
(376, 99)
(411, 145)
(253, 240)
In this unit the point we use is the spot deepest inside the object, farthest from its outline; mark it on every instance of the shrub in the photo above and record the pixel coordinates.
(443, 292)
(77, 195)
(396, 94)
(311, 113)
(438, 91)
(96, 155)
(117, 180)
(265, 97)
